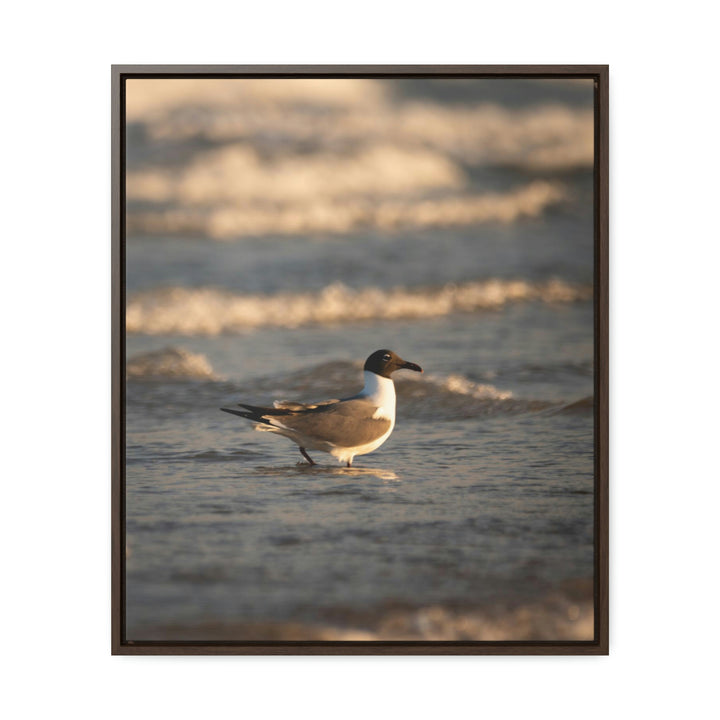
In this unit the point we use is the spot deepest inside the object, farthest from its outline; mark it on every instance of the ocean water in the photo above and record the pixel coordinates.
(279, 233)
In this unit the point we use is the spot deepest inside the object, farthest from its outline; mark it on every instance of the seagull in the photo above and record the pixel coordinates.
(344, 428)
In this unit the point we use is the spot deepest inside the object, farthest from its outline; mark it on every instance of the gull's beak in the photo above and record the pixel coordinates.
(411, 366)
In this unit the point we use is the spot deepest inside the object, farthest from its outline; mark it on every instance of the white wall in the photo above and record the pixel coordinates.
(56, 358)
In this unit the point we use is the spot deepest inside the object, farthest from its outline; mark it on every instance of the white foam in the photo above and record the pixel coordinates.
(334, 156)
(153, 99)
(208, 311)
(322, 213)
(176, 363)
(238, 174)
(342, 113)
(461, 385)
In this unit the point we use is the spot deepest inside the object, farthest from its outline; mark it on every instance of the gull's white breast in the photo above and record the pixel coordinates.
(381, 392)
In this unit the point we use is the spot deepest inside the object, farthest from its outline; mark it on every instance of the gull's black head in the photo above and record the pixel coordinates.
(386, 362)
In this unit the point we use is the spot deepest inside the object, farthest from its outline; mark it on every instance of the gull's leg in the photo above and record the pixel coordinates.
(306, 456)
(349, 463)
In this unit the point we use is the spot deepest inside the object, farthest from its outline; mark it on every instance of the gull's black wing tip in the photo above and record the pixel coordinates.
(235, 412)
(255, 415)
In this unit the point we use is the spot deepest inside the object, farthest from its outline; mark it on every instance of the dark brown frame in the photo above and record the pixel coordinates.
(599, 645)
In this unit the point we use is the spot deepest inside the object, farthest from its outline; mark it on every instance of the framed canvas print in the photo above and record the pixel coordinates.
(360, 390)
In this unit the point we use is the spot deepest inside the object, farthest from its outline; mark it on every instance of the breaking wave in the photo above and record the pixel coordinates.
(235, 158)
(209, 311)
(319, 211)
(148, 99)
(338, 114)
(463, 386)
(238, 174)
(559, 616)
(455, 396)
(173, 363)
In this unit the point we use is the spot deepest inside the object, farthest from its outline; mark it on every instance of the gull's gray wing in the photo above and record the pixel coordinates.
(348, 423)
(290, 405)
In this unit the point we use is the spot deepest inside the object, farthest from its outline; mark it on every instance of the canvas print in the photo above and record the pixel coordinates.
(359, 359)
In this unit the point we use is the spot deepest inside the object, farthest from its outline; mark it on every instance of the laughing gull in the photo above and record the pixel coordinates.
(344, 428)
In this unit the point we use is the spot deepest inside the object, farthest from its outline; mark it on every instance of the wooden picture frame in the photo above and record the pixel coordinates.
(598, 645)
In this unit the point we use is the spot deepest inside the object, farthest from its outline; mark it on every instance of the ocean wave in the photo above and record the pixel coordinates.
(148, 99)
(453, 396)
(344, 113)
(173, 363)
(235, 158)
(555, 617)
(209, 311)
(464, 386)
(320, 212)
(238, 174)
(579, 407)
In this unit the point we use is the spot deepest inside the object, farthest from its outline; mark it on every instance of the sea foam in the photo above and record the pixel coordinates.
(222, 203)
(171, 362)
(228, 159)
(343, 114)
(209, 311)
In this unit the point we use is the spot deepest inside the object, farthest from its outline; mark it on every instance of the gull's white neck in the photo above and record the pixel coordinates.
(381, 391)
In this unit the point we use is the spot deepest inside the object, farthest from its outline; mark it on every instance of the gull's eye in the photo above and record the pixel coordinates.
(386, 357)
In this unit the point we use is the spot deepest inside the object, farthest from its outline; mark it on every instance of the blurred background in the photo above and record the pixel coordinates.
(278, 232)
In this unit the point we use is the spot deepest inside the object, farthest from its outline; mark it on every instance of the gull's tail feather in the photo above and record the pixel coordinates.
(256, 413)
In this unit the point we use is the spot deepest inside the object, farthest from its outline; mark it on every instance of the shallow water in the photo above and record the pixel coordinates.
(475, 519)
(482, 495)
